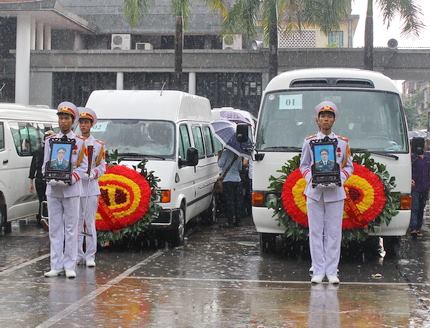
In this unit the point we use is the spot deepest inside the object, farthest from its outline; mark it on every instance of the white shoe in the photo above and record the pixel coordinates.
(70, 274)
(317, 279)
(333, 280)
(53, 273)
(91, 263)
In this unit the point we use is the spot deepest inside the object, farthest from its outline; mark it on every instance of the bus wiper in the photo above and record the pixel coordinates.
(380, 153)
(282, 148)
(139, 155)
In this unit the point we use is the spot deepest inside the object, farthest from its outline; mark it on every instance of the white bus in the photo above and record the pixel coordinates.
(370, 115)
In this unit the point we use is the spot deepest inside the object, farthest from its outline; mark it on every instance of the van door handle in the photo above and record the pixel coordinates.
(5, 161)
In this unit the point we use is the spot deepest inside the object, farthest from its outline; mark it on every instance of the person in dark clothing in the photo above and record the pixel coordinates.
(420, 188)
(37, 182)
(232, 190)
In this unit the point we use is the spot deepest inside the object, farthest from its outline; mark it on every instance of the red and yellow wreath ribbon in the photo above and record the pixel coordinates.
(125, 198)
(365, 198)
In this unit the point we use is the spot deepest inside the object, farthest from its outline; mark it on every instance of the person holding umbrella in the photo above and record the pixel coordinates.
(230, 165)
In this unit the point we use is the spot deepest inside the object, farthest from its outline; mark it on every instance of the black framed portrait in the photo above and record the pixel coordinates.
(59, 166)
(325, 170)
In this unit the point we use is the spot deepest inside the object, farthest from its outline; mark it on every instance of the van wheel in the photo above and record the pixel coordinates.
(3, 219)
(209, 216)
(267, 242)
(178, 235)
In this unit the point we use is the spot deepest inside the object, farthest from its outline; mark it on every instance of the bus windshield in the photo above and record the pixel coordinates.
(372, 120)
(137, 137)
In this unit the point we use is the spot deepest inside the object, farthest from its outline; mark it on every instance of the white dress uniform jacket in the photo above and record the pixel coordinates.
(343, 158)
(79, 165)
(98, 167)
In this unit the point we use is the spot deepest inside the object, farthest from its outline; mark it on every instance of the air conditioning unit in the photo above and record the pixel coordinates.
(144, 46)
(121, 42)
(232, 41)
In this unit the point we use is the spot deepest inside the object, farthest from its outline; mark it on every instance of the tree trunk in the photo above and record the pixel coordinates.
(178, 53)
(368, 37)
(273, 49)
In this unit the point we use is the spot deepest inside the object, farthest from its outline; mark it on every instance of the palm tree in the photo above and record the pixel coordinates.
(134, 10)
(409, 13)
(244, 16)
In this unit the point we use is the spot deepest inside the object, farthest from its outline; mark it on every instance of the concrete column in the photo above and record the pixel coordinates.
(78, 43)
(264, 80)
(192, 83)
(39, 36)
(22, 66)
(120, 81)
(33, 34)
(47, 37)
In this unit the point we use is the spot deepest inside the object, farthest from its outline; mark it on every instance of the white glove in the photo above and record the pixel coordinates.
(56, 183)
(90, 176)
(327, 186)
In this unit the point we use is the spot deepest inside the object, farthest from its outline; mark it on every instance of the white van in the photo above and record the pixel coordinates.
(171, 129)
(21, 133)
(370, 115)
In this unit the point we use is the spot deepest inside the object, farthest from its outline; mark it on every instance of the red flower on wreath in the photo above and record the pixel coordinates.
(365, 198)
(124, 199)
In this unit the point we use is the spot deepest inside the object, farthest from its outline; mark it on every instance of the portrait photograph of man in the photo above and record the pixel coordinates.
(60, 157)
(324, 159)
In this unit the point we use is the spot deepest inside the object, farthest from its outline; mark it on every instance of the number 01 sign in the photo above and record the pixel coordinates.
(290, 102)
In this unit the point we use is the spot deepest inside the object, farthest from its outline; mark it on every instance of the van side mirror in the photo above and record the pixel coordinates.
(192, 156)
(242, 133)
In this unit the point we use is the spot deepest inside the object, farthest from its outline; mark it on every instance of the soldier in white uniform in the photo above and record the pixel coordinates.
(90, 188)
(325, 203)
(63, 199)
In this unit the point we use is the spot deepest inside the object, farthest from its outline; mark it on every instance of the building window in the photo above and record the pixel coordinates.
(238, 90)
(335, 39)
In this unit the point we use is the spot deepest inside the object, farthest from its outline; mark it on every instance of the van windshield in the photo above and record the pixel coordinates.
(137, 137)
(372, 120)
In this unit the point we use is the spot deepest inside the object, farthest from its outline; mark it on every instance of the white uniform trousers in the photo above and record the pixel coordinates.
(63, 231)
(87, 215)
(325, 235)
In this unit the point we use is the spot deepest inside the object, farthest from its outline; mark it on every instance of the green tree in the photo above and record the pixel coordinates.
(409, 13)
(412, 103)
(243, 16)
(135, 9)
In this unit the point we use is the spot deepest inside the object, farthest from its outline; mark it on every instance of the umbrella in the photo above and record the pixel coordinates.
(234, 116)
(225, 132)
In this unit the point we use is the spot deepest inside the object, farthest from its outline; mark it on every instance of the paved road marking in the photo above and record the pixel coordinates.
(86, 299)
(285, 282)
(23, 265)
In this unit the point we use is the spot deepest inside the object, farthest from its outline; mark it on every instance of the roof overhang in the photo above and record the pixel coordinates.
(50, 12)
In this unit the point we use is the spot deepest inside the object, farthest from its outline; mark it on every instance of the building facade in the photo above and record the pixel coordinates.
(53, 50)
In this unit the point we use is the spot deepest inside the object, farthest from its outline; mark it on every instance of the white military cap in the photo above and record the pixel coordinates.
(88, 113)
(326, 106)
(67, 107)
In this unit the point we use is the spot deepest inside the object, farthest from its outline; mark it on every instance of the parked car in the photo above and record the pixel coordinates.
(21, 133)
(171, 129)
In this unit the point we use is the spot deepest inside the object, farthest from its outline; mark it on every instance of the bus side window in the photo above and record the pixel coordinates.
(1, 136)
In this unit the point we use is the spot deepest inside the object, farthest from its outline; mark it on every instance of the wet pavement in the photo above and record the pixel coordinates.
(218, 279)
